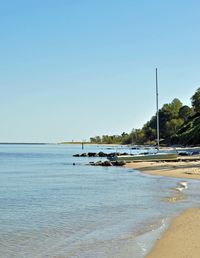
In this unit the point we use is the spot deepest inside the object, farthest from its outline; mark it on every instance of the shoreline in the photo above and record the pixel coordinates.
(181, 239)
(177, 169)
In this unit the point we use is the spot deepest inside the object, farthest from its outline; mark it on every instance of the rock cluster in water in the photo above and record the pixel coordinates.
(99, 154)
(108, 163)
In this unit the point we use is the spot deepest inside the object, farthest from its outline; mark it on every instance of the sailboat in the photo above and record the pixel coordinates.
(157, 156)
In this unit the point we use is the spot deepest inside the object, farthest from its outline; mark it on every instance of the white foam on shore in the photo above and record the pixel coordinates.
(136, 244)
(147, 240)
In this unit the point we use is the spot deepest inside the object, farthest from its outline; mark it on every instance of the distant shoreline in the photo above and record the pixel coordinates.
(90, 143)
(24, 143)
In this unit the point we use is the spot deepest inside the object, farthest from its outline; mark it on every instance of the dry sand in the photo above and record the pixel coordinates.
(180, 169)
(182, 239)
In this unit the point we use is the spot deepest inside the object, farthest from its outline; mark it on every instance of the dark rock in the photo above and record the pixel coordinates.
(76, 155)
(83, 155)
(123, 154)
(102, 154)
(144, 153)
(92, 154)
(119, 163)
(106, 163)
(112, 154)
(98, 163)
(92, 163)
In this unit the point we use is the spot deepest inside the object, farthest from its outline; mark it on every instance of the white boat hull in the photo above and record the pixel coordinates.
(150, 157)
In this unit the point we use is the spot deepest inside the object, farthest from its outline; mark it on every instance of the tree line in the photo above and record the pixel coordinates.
(178, 123)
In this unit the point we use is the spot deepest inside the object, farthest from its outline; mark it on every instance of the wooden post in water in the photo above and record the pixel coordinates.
(157, 112)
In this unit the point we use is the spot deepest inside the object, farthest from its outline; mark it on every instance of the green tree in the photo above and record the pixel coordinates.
(185, 112)
(175, 106)
(169, 122)
(196, 101)
(149, 132)
(126, 138)
(172, 127)
(96, 139)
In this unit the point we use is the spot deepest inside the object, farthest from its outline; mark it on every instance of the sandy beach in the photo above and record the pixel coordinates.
(181, 240)
(180, 169)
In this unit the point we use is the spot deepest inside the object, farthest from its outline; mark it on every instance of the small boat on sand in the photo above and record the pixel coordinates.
(147, 157)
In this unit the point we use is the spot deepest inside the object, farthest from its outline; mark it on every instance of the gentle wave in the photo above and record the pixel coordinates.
(50, 208)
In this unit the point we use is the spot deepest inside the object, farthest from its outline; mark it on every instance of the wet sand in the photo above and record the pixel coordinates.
(181, 240)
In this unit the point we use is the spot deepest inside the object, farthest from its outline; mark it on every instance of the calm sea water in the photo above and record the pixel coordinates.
(50, 208)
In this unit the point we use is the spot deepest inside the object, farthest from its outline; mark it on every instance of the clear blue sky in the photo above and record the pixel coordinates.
(71, 69)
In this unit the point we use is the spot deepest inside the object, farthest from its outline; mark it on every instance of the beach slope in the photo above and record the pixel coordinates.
(180, 169)
(182, 239)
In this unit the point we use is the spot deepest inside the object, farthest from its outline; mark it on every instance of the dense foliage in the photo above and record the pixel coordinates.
(189, 133)
(179, 124)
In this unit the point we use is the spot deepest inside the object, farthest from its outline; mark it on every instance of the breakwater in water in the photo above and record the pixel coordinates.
(100, 154)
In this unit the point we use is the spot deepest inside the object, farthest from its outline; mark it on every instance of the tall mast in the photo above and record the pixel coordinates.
(157, 112)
